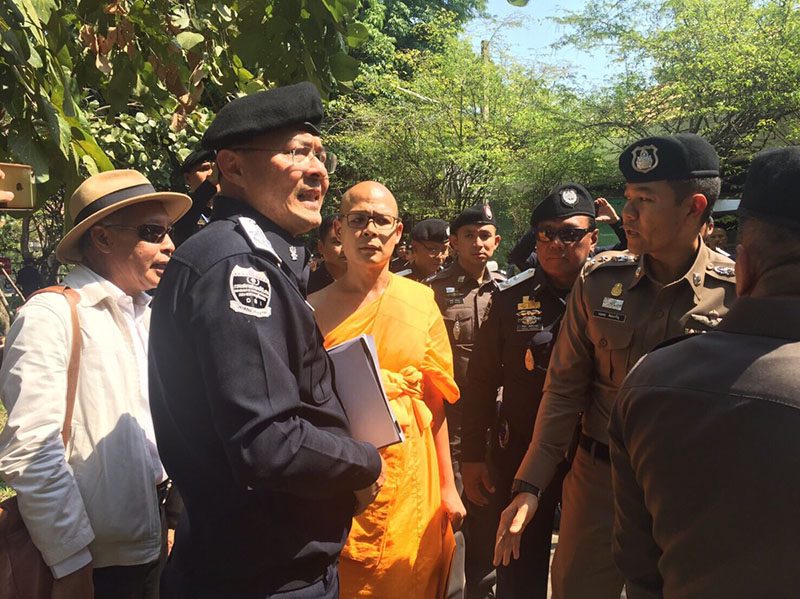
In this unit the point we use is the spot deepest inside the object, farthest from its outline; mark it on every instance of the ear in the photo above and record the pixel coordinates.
(594, 236)
(497, 240)
(453, 239)
(101, 239)
(697, 205)
(745, 277)
(337, 229)
(229, 164)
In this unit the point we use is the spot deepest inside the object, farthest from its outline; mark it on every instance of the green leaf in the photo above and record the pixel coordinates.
(344, 67)
(35, 60)
(25, 149)
(57, 126)
(189, 39)
(88, 146)
(356, 35)
(90, 164)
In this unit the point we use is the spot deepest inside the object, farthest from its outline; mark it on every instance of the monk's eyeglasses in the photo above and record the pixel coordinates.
(384, 223)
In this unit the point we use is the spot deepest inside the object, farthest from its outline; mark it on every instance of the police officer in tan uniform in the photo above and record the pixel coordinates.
(705, 451)
(463, 292)
(623, 304)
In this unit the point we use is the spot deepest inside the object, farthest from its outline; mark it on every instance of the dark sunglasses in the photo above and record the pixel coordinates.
(566, 235)
(148, 233)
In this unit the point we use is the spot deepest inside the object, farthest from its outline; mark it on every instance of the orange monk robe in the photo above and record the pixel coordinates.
(402, 545)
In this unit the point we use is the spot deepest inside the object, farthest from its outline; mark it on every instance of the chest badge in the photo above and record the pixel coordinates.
(530, 364)
(528, 304)
(616, 290)
(456, 330)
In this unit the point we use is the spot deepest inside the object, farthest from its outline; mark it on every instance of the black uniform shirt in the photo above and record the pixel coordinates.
(246, 419)
(512, 351)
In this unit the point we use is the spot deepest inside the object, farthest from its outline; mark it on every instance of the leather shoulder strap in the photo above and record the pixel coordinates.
(74, 299)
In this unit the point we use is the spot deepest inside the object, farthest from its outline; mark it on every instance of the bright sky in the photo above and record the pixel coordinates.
(532, 39)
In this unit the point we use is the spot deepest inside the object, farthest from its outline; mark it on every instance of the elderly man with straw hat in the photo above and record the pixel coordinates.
(92, 509)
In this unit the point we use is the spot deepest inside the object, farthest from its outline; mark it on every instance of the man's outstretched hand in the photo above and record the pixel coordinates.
(513, 521)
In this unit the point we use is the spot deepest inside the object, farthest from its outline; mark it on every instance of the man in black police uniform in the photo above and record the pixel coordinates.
(428, 249)
(333, 264)
(512, 351)
(198, 172)
(247, 422)
(463, 292)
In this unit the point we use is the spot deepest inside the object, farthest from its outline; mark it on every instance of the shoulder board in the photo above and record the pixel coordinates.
(256, 238)
(442, 274)
(516, 279)
(721, 267)
(404, 273)
(611, 258)
(722, 252)
(498, 277)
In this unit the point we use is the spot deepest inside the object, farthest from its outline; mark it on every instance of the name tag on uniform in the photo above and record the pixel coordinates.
(609, 315)
(455, 300)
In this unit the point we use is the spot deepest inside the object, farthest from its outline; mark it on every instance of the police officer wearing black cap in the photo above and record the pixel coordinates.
(622, 305)
(512, 351)
(702, 448)
(247, 421)
(463, 291)
(429, 239)
(197, 169)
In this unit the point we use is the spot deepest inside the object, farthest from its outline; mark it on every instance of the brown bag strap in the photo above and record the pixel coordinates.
(74, 299)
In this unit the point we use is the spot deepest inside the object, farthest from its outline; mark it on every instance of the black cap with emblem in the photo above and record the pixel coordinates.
(243, 118)
(770, 191)
(479, 214)
(676, 158)
(431, 229)
(564, 201)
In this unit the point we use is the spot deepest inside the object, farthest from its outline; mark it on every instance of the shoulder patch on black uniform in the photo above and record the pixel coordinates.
(256, 237)
(250, 292)
(516, 279)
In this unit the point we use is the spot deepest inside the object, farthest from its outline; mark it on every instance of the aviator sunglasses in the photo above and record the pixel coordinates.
(148, 233)
(566, 235)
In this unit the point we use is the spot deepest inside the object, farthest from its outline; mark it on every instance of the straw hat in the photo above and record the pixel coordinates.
(107, 192)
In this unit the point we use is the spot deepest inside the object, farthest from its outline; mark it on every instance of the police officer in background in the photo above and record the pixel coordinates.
(463, 292)
(247, 421)
(623, 304)
(512, 351)
(703, 450)
(198, 173)
(333, 264)
(429, 239)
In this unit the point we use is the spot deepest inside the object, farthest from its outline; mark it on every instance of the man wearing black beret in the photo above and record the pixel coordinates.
(464, 291)
(428, 249)
(622, 305)
(512, 351)
(198, 172)
(702, 448)
(247, 421)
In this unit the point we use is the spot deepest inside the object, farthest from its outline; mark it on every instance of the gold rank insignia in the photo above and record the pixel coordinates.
(529, 363)
(616, 290)
(528, 304)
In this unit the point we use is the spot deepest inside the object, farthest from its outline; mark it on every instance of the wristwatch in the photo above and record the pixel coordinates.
(520, 486)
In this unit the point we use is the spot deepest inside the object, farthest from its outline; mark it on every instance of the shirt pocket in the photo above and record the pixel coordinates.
(612, 352)
(460, 327)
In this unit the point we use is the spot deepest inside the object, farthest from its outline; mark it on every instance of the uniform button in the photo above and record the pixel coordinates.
(603, 342)
(659, 314)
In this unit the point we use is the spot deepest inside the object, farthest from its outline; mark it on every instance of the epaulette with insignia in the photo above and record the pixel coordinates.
(404, 273)
(516, 279)
(256, 238)
(618, 258)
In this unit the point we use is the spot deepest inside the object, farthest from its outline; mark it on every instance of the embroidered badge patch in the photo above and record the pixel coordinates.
(251, 291)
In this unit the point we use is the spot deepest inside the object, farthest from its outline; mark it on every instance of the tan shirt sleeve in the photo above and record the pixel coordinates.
(566, 393)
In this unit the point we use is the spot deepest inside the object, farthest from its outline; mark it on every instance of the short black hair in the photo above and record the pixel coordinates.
(770, 244)
(326, 226)
(708, 186)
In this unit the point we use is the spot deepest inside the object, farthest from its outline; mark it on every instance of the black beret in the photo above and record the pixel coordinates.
(683, 156)
(258, 113)
(196, 158)
(564, 201)
(770, 191)
(431, 229)
(479, 214)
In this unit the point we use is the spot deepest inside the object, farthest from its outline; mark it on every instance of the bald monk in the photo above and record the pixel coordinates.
(402, 545)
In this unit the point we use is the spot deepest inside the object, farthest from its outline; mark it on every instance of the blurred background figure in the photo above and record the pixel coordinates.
(331, 262)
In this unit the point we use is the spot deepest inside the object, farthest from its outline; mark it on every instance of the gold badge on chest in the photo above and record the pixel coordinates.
(616, 290)
(530, 364)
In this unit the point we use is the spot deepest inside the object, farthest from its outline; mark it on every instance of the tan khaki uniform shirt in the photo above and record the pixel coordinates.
(464, 304)
(616, 313)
